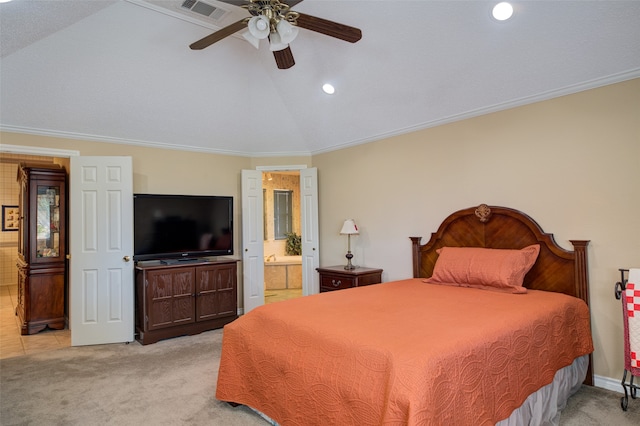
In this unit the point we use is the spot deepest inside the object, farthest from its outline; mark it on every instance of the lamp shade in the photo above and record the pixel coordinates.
(349, 227)
(259, 26)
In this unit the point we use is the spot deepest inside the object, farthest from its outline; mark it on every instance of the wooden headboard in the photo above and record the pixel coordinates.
(556, 269)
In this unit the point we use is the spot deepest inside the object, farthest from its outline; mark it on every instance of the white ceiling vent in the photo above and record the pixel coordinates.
(204, 9)
(210, 13)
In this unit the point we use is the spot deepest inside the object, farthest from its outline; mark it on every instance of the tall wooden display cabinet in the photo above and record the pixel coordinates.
(42, 248)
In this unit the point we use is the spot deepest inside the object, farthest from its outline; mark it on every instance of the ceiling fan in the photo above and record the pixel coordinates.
(275, 21)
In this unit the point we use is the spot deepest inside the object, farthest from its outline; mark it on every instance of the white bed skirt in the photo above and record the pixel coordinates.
(544, 406)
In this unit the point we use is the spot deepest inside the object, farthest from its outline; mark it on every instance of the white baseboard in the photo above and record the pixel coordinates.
(608, 383)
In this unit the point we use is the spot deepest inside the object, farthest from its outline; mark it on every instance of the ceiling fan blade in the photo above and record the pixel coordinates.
(219, 35)
(330, 28)
(284, 58)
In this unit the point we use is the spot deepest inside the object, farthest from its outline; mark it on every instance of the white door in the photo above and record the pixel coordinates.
(309, 234)
(101, 246)
(253, 235)
(252, 240)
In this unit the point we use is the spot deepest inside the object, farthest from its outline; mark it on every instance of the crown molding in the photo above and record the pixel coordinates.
(38, 150)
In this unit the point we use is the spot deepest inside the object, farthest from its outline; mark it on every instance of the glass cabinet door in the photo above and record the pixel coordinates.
(47, 221)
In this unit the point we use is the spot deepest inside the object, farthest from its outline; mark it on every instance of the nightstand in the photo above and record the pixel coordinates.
(338, 278)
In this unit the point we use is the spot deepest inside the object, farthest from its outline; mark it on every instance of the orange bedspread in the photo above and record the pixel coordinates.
(404, 352)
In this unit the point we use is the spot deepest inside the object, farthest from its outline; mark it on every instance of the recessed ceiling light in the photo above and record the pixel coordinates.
(502, 11)
(328, 89)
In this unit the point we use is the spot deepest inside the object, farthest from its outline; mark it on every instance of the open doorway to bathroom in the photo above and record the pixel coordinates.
(283, 264)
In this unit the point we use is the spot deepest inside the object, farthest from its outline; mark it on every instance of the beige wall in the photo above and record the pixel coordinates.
(571, 163)
(9, 239)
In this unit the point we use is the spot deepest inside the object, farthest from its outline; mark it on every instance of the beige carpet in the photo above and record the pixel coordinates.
(593, 406)
(173, 382)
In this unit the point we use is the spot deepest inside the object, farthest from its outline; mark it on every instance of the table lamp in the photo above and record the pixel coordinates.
(349, 228)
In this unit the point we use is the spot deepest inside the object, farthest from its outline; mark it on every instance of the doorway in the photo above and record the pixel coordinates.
(112, 213)
(282, 230)
(253, 256)
(13, 343)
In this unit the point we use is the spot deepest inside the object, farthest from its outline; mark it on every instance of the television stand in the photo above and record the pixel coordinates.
(184, 299)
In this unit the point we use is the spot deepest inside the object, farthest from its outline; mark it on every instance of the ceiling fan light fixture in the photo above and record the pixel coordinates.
(286, 31)
(259, 27)
(274, 20)
(275, 42)
(255, 42)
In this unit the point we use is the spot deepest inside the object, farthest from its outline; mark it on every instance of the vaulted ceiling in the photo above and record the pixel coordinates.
(122, 71)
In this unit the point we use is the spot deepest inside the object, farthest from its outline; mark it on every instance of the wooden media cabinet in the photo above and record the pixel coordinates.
(175, 300)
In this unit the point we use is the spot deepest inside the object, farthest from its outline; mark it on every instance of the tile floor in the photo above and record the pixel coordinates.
(271, 296)
(12, 343)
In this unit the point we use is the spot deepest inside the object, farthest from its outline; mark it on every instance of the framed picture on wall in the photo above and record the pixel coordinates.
(10, 218)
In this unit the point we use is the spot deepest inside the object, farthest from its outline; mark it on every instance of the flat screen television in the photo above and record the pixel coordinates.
(181, 226)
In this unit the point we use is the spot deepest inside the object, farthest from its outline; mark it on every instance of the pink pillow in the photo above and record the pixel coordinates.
(492, 269)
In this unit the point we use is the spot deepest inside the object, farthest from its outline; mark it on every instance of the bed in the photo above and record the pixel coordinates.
(493, 328)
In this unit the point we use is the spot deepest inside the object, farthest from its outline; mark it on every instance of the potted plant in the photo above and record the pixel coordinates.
(293, 246)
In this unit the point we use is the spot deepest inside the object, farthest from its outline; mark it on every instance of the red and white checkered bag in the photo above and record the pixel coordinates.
(631, 313)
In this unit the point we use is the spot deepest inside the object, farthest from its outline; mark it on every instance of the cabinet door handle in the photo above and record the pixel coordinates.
(336, 284)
